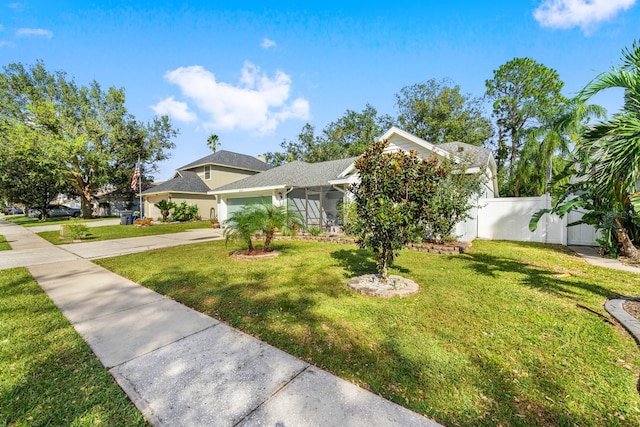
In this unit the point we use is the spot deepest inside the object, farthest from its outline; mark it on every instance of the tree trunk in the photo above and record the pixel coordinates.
(268, 237)
(627, 245)
(250, 245)
(85, 205)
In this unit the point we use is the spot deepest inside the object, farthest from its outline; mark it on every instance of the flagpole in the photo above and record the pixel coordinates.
(140, 190)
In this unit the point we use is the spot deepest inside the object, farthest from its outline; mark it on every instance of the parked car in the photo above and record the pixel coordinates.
(12, 210)
(55, 211)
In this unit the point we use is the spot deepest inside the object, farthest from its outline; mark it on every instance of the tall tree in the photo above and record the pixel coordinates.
(438, 112)
(613, 146)
(525, 93)
(607, 163)
(346, 137)
(213, 142)
(547, 147)
(98, 142)
(30, 171)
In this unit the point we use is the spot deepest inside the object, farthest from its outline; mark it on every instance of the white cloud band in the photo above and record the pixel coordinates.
(578, 13)
(258, 103)
(34, 32)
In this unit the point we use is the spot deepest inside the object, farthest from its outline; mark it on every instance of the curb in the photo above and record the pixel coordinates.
(615, 308)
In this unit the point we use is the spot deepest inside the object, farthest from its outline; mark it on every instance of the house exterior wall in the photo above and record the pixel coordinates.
(227, 204)
(206, 204)
(220, 175)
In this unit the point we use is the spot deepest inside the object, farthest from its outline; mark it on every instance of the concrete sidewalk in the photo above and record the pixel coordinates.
(181, 367)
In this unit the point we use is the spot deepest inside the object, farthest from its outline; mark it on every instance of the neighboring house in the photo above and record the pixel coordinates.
(192, 183)
(317, 190)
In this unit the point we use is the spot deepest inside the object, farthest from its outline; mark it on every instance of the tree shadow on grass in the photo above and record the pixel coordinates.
(536, 277)
(288, 315)
(357, 262)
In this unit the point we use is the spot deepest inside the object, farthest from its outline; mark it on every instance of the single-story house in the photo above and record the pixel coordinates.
(193, 182)
(317, 190)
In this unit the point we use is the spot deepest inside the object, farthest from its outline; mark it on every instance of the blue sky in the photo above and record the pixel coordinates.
(255, 74)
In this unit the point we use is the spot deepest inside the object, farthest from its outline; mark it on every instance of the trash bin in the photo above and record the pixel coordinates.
(125, 217)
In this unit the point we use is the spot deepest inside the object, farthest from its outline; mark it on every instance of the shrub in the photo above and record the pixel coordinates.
(315, 231)
(184, 212)
(77, 230)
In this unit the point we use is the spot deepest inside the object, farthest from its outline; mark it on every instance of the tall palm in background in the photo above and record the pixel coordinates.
(548, 147)
(613, 146)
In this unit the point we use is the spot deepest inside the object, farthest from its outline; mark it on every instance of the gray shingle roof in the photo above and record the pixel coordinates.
(185, 182)
(477, 156)
(229, 158)
(294, 174)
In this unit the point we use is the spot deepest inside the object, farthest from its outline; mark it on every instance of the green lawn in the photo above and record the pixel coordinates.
(494, 337)
(4, 245)
(48, 375)
(27, 221)
(110, 232)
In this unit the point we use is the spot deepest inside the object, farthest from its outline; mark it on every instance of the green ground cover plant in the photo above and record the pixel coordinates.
(48, 374)
(4, 245)
(494, 337)
(110, 232)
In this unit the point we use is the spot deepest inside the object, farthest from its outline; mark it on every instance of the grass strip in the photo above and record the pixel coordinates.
(48, 374)
(494, 337)
(111, 232)
(27, 221)
(4, 245)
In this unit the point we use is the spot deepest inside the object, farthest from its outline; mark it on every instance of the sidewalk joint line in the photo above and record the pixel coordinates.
(272, 395)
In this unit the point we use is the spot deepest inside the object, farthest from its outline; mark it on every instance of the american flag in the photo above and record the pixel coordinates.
(136, 176)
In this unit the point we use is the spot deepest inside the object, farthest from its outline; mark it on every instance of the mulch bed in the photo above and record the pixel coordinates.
(633, 308)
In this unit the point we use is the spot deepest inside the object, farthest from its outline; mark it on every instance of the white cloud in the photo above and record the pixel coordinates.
(585, 14)
(267, 43)
(176, 109)
(6, 44)
(258, 103)
(34, 32)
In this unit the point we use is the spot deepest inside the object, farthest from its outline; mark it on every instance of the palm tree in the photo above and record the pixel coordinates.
(276, 217)
(613, 146)
(242, 225)
(553, 139)
(164, 207)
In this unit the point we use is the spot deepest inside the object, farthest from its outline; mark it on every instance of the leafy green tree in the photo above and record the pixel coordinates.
(525, 93)
(29, 168)
(452, 200)
(393, 200)
(346, 137)
(97, 142)
(438, 112)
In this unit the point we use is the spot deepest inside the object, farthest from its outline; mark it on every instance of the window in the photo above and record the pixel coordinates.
(207, 172)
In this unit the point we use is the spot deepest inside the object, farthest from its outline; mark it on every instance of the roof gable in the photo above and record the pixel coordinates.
(229, 159)
(182, 182)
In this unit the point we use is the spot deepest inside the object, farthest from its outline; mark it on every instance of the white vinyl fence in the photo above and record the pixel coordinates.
(507, 218)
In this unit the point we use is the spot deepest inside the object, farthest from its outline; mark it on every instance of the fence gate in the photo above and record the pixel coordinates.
(580, 235)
